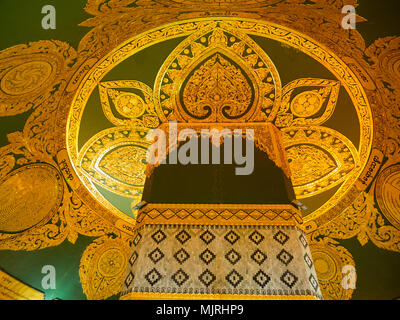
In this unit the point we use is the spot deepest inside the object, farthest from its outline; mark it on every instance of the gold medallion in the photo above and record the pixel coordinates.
(37, 187)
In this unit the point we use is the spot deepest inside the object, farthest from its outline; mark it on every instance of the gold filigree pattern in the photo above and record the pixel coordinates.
(15, 154)
(217, 85)
(81, 219)
(26, 77)
(306, 104)
(37, 187)
(313, 106)
(103, 266)
(70, 217)
(319, 158)
(329, 261)
(310, 163)
(30, 72)
(374, 70)
(133, 101)
(73, 218)
(225, 77)
(218, 4)
(116, 160)
(129, 105)
(133, 160)
(227, 37)
(362, 220)
(387, 192)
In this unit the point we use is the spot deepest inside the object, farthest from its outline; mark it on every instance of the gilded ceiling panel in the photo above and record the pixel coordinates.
(54, 81)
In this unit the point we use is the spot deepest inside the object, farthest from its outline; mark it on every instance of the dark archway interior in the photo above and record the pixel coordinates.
(218, 183)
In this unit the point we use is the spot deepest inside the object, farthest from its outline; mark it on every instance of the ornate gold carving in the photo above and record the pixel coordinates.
(375, 69)
(121, 21)
(116, 160)
(329, 260)
(306, 104)
(362, 220)
(227, 38)
(387, 192)
(49, 235)
(133, 164)
(133, 101)
(81, 219)
(14, 154)
(30, 72)
(217, 74)
(130, 105)
(221, 4)
(385, 58)
(13, 289)
(347, 79)
(320, 158)
(294, 16)
(217, 84)
(68, 217)
(25, 77)
(73, 218)
(313, 106)
(214, 214)
(37, 187)
(103, 266)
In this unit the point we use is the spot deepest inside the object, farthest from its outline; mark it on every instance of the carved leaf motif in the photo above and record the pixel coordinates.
(362, 220)
(319, 158)
(217, 86)
(126, 164)
(309, 163)
(217, 75)
(307, 101)
(115, 159)
(128, 102)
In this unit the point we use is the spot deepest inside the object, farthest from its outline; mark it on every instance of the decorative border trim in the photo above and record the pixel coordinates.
(191, 296)
(219, 214)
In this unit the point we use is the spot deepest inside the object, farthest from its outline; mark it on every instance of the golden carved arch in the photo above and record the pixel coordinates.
(254, 81)
(178, 64)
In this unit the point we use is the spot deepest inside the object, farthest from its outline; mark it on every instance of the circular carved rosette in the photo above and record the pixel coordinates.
(29, 196)
(26, 77)
(387, 193)
(103, 266)
(31, 73)
(335, 270)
